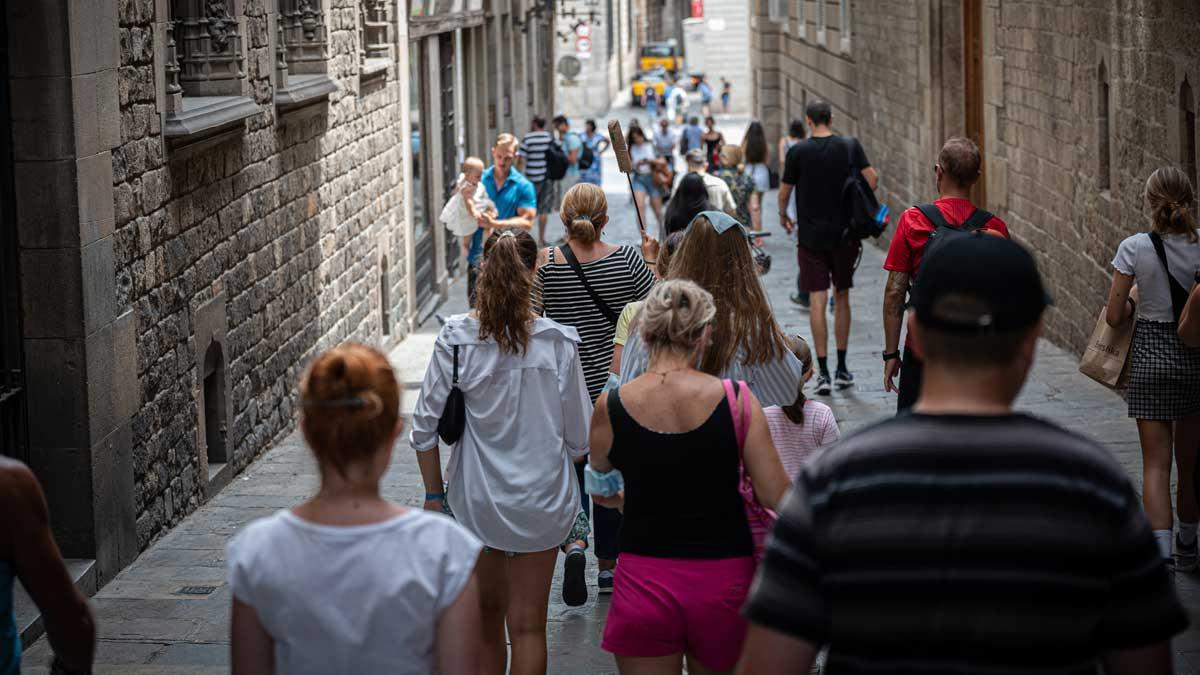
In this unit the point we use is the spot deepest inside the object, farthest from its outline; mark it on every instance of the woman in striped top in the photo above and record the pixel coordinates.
(619, 275)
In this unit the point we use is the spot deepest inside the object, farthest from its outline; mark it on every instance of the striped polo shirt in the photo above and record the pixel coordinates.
(533, 149)
(965, 544)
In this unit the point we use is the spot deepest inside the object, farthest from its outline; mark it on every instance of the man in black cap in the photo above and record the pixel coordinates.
(963, 537)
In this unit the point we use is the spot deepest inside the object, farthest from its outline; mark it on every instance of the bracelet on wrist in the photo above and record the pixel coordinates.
(650, 262)
(888, 356)
(435, 496)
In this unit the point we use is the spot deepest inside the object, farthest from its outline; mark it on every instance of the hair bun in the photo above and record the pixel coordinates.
(337, 366)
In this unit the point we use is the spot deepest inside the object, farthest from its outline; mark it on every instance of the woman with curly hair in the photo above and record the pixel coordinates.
(747, 343)
(512, 484)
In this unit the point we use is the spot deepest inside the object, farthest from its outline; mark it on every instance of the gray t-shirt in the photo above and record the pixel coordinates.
(1136, 257)
(356, 599)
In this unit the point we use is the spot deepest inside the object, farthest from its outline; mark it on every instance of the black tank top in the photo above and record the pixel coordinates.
(681, 490)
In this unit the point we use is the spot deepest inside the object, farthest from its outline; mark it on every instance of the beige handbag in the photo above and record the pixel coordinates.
(1106, 359)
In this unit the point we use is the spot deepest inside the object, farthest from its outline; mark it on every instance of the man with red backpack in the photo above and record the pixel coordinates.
(921, 230)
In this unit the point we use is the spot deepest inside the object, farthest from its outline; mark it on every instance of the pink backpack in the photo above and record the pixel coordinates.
(760, 518)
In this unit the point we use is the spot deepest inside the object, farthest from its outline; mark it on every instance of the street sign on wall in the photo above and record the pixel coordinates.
(583, 47)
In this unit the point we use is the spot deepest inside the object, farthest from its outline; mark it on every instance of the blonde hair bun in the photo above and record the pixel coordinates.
(584, 211)
(675, 315)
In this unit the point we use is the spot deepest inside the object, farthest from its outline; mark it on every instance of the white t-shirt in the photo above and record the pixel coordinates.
(1136, 257)
(639, 152)
(359, 599)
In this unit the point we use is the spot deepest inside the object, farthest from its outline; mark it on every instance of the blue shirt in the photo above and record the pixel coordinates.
(705, 92)
(692, 136)
(592, 173)
(571, 142)
(516, 193)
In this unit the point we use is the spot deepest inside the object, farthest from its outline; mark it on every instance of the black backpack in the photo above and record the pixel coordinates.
(865, 218)
(943, 231)
(586, 157)
(556, 161)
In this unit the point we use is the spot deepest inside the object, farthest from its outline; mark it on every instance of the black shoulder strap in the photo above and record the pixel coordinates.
(455, 381)
(1179, 294)
(596, 299)
(933, 214)
(975, 221)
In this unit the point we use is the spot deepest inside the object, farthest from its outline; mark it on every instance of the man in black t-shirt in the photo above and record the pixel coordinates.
(814, 173)
(963, 537)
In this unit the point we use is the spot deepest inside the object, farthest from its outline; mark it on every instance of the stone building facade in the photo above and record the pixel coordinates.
(1073, 103)
(195, 197)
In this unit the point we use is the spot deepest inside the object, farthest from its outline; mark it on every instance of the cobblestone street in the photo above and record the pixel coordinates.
(168, 611)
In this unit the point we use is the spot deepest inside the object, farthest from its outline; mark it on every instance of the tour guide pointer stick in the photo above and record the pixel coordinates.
(617, 140)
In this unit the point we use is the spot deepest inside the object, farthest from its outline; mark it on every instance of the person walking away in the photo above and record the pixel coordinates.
(28, 553)
(410, 602)
(739, 180)
(726, 95)
(713, 140)
(747, 343)
(533, 163)
(706, 95)
(1164, 374)
(691, 137)
(650, 102)
(690, 200)
(686, 562)
(572, 145)
(718, 191)
(801, 428)
(795, 134)
(665, 140)
(814, 174)
(957, 169)
(679, 97)
(513, 197)
(599, 144)
(670, 102)
(642, 154)
(757, 156)
(628, 315)
(617, 275)
(511, 485)
(1041, 560)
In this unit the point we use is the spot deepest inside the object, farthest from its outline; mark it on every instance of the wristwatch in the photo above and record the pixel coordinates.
(888, 356)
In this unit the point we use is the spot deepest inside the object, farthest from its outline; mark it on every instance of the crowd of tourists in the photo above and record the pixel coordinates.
(644, 403)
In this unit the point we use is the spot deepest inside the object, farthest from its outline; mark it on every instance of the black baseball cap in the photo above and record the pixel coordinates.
(979, 284)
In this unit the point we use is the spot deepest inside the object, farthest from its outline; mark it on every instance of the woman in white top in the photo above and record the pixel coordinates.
(511, 480)
(642, 154)
(1164, 374)
(349, 582)
(748, 344)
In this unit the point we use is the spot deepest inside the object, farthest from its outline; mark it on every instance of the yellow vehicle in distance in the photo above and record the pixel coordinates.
(663, 55)
(654, 80)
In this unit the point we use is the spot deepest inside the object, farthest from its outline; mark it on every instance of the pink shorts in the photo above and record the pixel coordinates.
(664, 606)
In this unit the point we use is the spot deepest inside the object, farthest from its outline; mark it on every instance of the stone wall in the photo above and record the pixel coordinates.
(900, 89)
(285, 226)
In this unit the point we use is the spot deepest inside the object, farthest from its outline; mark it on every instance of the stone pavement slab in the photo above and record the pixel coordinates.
(149, 624)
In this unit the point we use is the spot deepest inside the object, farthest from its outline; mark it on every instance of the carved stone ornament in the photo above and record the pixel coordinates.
(219, 23)
(309, 19)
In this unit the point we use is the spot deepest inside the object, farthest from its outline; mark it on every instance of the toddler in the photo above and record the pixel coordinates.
(468, 200)
(800, 429)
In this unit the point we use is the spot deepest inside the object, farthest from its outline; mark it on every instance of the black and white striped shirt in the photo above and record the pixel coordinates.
(533, 149)
(619, 278)
(965, 544)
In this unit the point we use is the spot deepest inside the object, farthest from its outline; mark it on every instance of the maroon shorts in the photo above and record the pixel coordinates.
(817, 268)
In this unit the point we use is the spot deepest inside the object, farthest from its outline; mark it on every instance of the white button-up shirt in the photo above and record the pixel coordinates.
(511, 480)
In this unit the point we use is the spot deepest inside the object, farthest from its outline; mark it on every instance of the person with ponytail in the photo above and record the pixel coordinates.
(678, 437)
(350, 582)
(510, 476)
(1164, 373)
(801, 428)
(618, 275)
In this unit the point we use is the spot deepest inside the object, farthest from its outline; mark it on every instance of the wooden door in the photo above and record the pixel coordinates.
(973, 88)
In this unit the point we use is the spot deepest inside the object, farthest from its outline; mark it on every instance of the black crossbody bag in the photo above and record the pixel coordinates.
(1179, 294)
(454, 414)
(573, 262)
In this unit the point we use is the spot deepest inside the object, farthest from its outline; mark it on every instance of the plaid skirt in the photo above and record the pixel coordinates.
(1164, 377)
